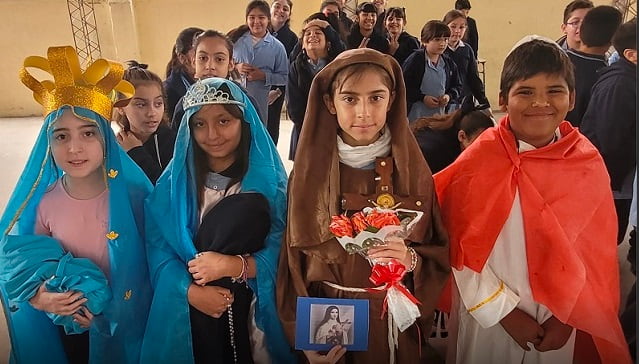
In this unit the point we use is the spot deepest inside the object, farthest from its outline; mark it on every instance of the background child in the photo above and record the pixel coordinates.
(432, 82)
(145, 134)
(574, 14)
(260, 58)
(179, 70)
(471, 126)
(213, 52)
(80, 188)
(360, 124)
(610, 121)
(534, 262)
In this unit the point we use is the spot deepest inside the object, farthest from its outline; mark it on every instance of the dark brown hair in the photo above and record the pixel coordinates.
(183, 44)
(576, 5)
(532, 58)
(599, 26)
(357, 70)
(213, 34)
(434, 29)
(138, 74)
(626, 37)
(452, 16)
(235, 34)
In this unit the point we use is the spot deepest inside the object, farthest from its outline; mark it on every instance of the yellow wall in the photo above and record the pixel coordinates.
(146, 29)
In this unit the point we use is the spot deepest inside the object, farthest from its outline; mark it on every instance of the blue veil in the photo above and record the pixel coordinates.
(172, 220)
(116, 335)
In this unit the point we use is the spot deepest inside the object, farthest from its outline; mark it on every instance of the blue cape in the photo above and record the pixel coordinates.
(172, 220)
(116, 334)
(28, 260)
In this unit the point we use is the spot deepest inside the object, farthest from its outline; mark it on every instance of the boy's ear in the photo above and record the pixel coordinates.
(119, 110)
(461, 136)
(571, 101)
(330, 105)
(503, 103)
(630, 54)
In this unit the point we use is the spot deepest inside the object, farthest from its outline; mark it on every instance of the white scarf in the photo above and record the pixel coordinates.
(362, 156)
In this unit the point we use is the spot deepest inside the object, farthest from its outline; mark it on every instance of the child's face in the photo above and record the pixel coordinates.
(257, 22)
(330, 9)
(436, 45)
(76, 146)
(571, 28)
(314, 39)
(280, 11)
(457, 30)
(395, 25)
(361, 105)
(536, 106)
(212, 58)
(218, 133)
(367, 21)
(146, 109)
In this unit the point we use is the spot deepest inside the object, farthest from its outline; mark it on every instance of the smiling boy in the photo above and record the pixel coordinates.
(532, 228)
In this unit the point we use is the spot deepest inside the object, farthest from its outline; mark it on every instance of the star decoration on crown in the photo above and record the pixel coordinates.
(204, 94)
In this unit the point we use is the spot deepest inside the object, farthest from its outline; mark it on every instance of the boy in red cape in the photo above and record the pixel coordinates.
(532, 229)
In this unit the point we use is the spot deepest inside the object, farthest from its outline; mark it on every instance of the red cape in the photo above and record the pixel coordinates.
(569, 221)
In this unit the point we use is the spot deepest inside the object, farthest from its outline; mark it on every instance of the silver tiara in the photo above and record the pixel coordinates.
(204, 94)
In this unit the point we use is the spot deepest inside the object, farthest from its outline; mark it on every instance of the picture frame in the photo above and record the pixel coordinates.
(322, 323)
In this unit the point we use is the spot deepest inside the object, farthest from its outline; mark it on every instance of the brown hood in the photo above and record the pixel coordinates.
(314, 185)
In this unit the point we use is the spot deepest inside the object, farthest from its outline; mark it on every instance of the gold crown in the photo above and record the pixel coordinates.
(97, 89)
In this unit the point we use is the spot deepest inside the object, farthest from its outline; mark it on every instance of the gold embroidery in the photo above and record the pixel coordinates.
(112, 235)
(127, 295)
(112, 173)
(491, 298)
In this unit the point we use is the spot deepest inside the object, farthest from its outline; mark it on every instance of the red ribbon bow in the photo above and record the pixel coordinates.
(390, 275)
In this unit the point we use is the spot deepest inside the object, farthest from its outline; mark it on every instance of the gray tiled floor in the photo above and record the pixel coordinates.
(18, 135)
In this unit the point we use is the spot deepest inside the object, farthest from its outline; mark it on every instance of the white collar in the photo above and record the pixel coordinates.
(525, 147)
(362, 156)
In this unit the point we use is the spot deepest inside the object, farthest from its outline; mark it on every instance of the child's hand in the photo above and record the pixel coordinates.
(431, 101)
(128, 140)
(364, 42)
(255, 74)
(395, 248)
(393, 44)
(83, 317)
(522, 328)
(64, 304)
(243, 68)
(556, 334)
(208, 267)
(331, 357)
(210, 300)
(443, 100)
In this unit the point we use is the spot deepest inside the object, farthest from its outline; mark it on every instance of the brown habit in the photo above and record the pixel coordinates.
(311, 255)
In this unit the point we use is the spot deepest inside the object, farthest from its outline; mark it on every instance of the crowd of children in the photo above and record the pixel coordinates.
(195, 245)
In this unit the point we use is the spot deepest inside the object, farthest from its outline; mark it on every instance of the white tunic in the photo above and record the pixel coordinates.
(481, 300)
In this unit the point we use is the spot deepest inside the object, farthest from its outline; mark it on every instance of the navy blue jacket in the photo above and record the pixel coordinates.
(413, 70)
(466, 62)
(610, 119)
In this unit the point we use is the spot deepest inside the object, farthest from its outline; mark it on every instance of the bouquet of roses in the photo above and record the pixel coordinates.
(371, 226)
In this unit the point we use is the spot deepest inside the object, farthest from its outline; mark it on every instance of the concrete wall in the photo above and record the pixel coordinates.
(146, 29)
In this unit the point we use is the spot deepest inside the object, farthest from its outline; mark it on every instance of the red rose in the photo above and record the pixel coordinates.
(359, 222)
(380, 219)
(341, 226)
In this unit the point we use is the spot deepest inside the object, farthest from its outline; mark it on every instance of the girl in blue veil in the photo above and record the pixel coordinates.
(115, 335)
(193, 192)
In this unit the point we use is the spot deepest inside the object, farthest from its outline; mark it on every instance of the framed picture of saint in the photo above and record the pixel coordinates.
(325, 322)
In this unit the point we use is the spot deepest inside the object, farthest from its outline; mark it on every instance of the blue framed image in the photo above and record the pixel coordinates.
(322, 323)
